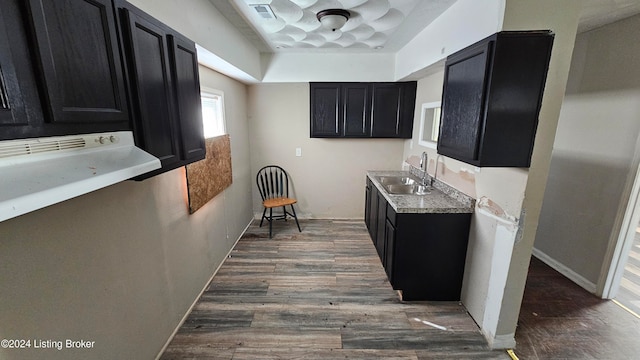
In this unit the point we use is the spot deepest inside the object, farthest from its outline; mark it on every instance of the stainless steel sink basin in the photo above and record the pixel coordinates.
(401, 189)
(396, 180)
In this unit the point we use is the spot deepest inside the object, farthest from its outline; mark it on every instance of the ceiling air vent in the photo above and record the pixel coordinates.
(31, 147)
(264, 11)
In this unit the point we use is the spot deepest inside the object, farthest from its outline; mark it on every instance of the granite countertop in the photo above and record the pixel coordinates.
(442, 198)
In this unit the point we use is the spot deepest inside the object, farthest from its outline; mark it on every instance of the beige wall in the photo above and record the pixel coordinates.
(329, 177)
(121, 266)
(593, 154)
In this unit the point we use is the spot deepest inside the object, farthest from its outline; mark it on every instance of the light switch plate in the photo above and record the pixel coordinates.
(298, 151)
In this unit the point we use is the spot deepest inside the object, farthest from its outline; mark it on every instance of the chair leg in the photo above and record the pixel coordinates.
(284, 210)
(296, 218)
(270, 220)
(262, 218)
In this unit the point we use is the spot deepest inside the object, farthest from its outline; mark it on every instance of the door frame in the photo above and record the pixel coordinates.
(621, 241)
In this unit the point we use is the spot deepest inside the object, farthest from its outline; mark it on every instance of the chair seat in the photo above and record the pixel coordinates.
(277, 202)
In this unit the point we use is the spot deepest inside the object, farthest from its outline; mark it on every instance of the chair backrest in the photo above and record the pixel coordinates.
(273, 182)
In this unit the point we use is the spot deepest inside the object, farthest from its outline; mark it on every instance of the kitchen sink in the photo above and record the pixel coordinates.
(396, 180)
(402, 189)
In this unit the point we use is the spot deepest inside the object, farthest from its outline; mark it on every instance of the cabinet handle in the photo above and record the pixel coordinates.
(4, 97)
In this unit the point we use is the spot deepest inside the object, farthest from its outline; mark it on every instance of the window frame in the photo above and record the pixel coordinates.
(428, 143)
(210, 93)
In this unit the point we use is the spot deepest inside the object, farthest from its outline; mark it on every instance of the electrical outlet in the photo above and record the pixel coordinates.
(298, 151)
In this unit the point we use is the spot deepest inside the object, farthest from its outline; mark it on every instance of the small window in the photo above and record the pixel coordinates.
(213, 113)
(429, 124)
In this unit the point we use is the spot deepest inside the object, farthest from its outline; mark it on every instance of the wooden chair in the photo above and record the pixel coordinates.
(273, 184)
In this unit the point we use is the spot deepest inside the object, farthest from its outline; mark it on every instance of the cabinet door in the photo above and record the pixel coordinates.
(356, 100)
(385, 110)
(325, 110)
(407, 109)
(463, 103)
(381, 220)
(152, 88)
(12, 107)
(79, 61)
(389, 242)
(367, 205)
(373, 214)
(184, 63)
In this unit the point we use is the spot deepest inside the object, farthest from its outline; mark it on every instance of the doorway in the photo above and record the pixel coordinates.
(629, 289)
(623, 278)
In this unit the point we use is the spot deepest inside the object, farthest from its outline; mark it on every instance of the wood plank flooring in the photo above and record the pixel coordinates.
(318, 294)
(323, 294)
(560, 320)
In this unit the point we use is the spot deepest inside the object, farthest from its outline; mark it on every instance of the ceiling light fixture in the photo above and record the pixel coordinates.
(333, 19)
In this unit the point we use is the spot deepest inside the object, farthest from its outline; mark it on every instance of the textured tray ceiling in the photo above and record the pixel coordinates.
(369, 26)
(373, 24)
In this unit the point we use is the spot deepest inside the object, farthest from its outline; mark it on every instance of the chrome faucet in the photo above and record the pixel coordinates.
(435, 173)
(424, 163)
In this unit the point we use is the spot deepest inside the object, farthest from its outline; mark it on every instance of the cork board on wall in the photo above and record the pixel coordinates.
(210, 176)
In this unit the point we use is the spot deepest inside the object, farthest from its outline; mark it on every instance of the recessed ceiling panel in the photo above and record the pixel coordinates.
(371, 24)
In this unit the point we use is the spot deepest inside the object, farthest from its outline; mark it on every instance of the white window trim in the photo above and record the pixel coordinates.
(427, 143)
(210, 92)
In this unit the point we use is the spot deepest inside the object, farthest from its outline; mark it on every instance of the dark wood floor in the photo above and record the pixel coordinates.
(323, 294)
(561, 320)
(319, 294)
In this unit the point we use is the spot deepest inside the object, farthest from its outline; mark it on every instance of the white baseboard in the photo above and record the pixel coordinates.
(562, 269)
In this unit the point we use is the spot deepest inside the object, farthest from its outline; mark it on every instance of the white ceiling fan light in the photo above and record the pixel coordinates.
(333, 19)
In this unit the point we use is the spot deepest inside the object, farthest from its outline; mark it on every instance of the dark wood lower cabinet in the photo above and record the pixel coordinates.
(423, 254)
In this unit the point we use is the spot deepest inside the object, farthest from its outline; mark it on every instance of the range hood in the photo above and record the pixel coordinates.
(35, 173)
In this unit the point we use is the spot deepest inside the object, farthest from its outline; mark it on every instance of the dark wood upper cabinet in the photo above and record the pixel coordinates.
(151, 81)
(87, 66)
(491, 99)
(392, 109)
(77, 54)
(165, 87)
(362, 110)
(61, 70)
(325, 110)
(186, 81)
(356, 102)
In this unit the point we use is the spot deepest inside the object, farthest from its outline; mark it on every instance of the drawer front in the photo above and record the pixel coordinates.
(391, 214)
